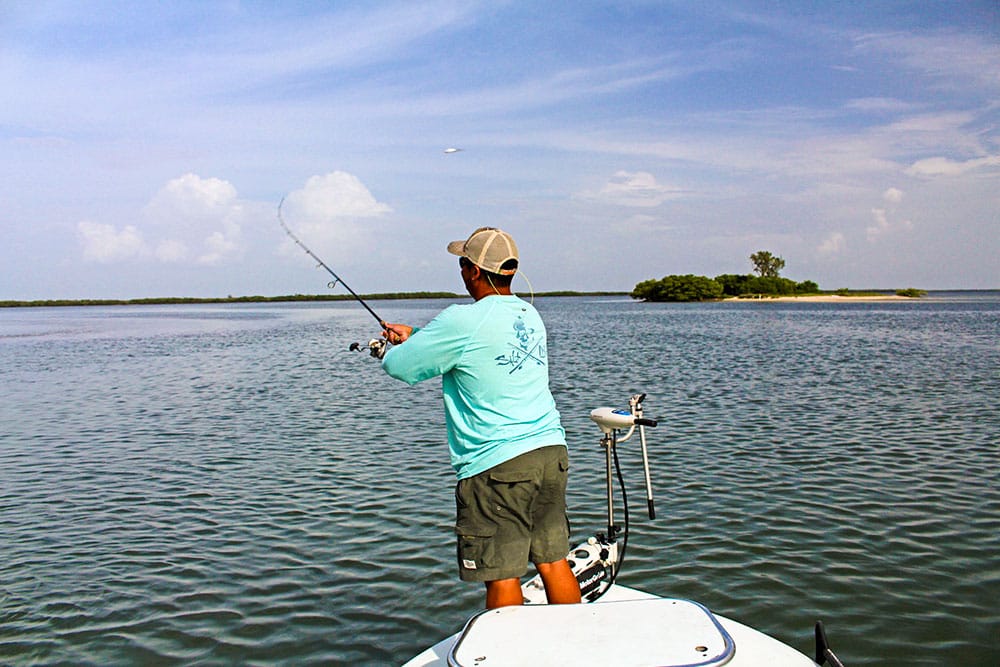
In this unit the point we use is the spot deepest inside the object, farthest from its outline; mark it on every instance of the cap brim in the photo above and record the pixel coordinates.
(457, 248)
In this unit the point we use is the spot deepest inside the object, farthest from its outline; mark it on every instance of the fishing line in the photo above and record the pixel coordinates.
(336, 278)
(531, 290)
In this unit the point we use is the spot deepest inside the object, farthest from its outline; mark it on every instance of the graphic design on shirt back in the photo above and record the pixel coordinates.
(527, 347)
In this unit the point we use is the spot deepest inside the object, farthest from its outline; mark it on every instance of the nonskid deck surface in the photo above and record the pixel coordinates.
(585, 632)
(627, 633)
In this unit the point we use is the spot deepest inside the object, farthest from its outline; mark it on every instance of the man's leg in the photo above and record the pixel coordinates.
(506, 593)
(561, 586)
(550, 536)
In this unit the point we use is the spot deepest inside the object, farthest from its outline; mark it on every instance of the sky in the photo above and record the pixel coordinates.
(145, 146)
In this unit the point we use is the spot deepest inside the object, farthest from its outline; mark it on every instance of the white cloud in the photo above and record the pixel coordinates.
(956, 60)
(218, 247)
(832, 244)
(325, 213)
(544, 88)
(191, 196)
(201, 217)
(191, 203)
(634, 189)
(878, 104)
(190, 220)
(893, 195)
(944, 123)
(171, 251)
(196, 220)
(882, 225)
(334, 196)
(942, 166)
(103, 243)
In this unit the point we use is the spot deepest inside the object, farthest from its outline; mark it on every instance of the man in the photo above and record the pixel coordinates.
(508, 446)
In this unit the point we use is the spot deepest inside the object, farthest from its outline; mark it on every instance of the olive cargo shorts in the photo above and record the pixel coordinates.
(512, 513)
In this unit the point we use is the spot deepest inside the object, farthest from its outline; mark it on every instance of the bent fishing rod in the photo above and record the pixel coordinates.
(336, 278)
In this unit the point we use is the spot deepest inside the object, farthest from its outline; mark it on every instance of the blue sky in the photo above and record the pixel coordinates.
(144, 146)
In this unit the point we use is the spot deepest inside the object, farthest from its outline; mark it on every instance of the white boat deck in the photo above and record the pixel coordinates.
(625, 628)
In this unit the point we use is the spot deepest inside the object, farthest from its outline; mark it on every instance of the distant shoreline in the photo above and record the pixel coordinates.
(825, 298)
(860, 296)
(288, 298)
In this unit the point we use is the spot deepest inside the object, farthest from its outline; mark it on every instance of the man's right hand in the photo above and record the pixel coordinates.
(397, 333)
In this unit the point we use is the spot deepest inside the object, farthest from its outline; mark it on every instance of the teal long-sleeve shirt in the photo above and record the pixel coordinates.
(493, 359)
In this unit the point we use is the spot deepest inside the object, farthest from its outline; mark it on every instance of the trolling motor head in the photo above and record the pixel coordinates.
(610, 419)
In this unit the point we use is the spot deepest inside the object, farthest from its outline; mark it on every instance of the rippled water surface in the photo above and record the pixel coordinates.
(230, 485)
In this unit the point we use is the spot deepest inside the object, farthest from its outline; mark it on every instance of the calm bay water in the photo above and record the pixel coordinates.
(230, 485)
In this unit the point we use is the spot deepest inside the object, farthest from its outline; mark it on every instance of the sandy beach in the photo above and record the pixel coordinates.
(830, 298)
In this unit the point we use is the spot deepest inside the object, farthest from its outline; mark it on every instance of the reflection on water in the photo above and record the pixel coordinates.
(228, 484)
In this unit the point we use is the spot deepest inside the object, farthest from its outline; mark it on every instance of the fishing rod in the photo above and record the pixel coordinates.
(336, 278)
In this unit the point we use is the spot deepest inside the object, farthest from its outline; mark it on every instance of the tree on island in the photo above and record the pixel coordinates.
(700, 288)
(767, 265)
(678, 288)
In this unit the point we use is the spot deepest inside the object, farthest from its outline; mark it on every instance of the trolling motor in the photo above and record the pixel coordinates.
(611, 422)
(597, 561)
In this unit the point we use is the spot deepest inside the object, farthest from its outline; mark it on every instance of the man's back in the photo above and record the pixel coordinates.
(493, 357)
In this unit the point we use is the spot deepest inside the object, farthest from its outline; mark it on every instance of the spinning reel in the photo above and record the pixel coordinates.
(376, 347)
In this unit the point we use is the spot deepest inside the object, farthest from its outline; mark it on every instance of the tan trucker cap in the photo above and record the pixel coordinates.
(488, 248)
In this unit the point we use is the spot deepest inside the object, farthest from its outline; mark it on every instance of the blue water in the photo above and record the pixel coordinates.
(229, 485)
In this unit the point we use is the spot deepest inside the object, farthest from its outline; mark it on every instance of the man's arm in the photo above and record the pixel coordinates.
(426, 352)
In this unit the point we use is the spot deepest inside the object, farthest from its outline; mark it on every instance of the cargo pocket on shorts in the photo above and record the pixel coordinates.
(514, 493)
(476, 549)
